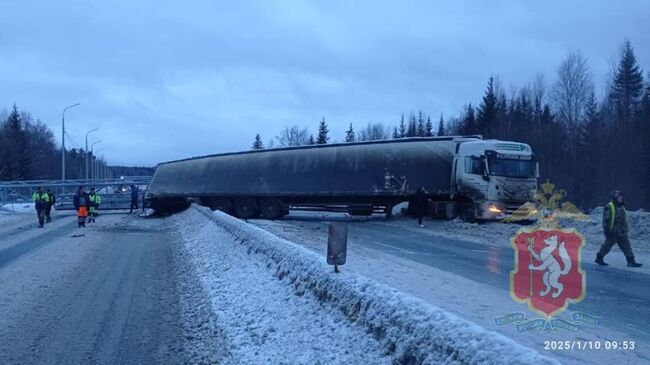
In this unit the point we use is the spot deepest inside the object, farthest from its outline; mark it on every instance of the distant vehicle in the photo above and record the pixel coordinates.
(463, 175)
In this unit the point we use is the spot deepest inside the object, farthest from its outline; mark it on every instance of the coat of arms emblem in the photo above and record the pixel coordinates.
(547, 273)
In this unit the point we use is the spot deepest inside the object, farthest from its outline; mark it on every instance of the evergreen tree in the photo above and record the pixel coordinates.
(402, 127)
(257, 144)
(412, 129)
(428, 128)
(322, 132)
(15, 148)
(395, 133)
(468, 124)
(421, 131)
(441, 126)
(487, 110)
(627, 85)
(349, 135)
(311, 140)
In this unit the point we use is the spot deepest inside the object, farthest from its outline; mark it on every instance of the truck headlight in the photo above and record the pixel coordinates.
(494, 209)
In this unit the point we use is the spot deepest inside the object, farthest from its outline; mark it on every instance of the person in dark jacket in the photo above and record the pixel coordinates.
(134, 198)
(41, 200)
(81, 204)
(421, 203)
(50, 204)
(615, 230)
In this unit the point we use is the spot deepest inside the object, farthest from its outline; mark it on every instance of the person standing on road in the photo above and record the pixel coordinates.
(41, 200)
(94, 200)
(421, 203)
(134, 198)
(615, 230)
(48, 210)
(81, 203)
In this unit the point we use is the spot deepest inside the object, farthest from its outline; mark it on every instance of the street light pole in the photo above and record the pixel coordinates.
(93, 153)
(96, 163)
(63, 140)
(87, 133)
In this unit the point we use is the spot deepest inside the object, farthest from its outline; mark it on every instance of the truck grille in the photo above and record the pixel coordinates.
(512, 206)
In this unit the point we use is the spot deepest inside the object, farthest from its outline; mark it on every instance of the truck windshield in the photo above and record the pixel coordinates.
(512, 168)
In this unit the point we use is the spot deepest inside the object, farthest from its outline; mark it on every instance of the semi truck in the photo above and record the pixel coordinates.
(466, 176)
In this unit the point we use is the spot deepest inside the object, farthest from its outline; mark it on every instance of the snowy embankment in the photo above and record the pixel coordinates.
(407, 329)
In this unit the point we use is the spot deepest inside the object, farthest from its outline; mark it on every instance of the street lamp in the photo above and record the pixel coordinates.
(92, 153)
(63, 140)
(96, 164)
(87, 133)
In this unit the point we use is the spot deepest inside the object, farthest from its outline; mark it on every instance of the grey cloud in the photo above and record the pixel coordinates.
(165, 80)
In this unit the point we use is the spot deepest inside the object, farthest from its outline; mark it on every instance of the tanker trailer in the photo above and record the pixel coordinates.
(359, 178)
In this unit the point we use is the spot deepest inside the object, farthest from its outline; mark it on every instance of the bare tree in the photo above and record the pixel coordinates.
(293, 136)
(572, 89)
(373, 132)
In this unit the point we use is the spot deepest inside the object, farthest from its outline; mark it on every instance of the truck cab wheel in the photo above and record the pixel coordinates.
(271, 208)
(221, 204)
(467, 213)
(245, 208)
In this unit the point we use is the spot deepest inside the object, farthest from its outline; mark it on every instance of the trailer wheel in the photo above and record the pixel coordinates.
(271, 208)
(245, 208)
(221, 204)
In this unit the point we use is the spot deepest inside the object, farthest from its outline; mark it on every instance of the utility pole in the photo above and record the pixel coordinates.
(87, 133)
(63, 140)
(93, 154)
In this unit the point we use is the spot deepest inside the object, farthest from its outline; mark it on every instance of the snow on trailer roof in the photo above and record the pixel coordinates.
(383, 141)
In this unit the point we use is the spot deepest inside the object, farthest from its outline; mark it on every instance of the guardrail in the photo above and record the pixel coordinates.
(115, 193)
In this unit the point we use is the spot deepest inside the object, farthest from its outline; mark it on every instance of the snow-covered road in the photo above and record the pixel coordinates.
(108, 293)
(465, 268)
(201, 287)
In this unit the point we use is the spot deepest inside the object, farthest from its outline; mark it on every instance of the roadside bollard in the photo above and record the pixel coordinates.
(337, 244)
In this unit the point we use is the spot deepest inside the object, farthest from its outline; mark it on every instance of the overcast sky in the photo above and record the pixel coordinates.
(170, 79)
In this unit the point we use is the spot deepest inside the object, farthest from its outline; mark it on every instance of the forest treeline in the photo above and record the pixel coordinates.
(28, 151)
(584, 144)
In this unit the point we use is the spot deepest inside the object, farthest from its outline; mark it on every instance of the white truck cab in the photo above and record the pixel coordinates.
(492, 178)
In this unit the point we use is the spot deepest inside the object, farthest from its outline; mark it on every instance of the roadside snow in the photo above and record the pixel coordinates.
(12, 208)
(405, 327)
(262, 319)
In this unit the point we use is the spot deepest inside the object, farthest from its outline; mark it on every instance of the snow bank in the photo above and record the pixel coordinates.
(638, 224)
(411, 331)
(11, 208)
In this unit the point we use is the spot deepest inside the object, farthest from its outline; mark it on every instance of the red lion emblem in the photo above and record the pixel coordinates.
(548, 273)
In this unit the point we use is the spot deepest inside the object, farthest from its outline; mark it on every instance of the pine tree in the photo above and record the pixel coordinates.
(487, 110)
(421, 131)
(428, 128)
(441, 127)
(322, 132)
(402, 127)
(395, 133)
(349, 135)
(257, 144)
(468, 125)
(15, 149)
(311, 140)
(627, 85)
(412, 129)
